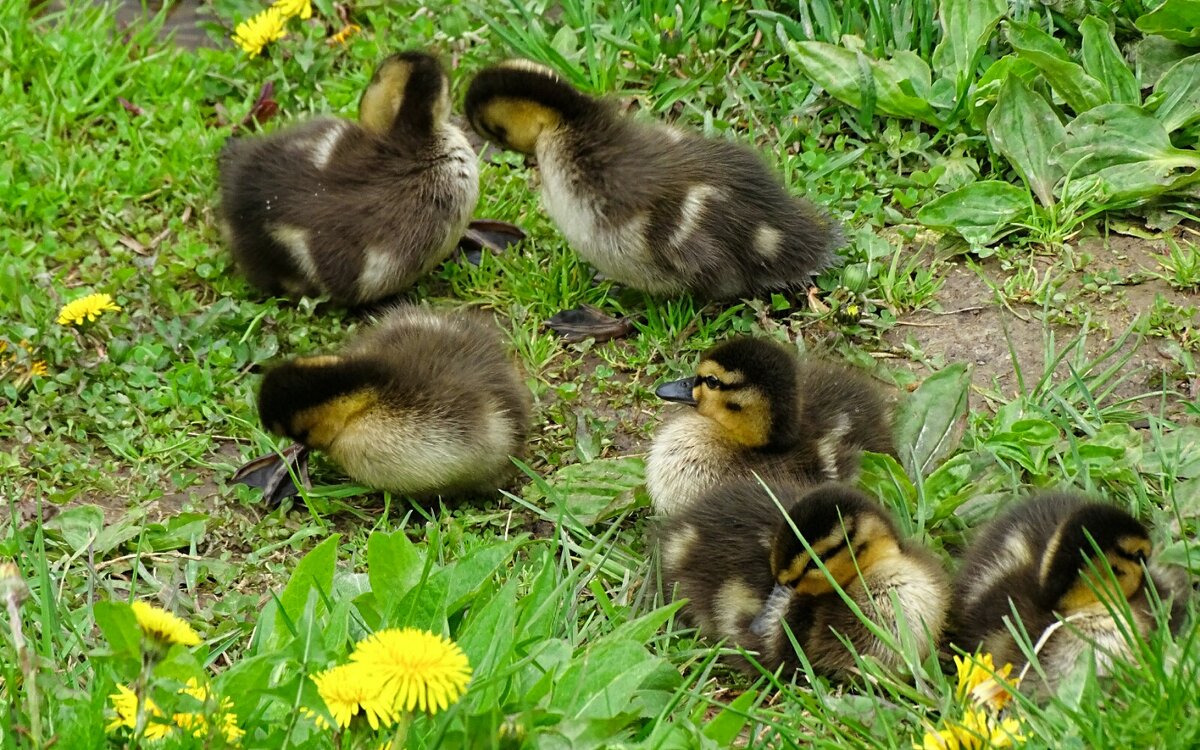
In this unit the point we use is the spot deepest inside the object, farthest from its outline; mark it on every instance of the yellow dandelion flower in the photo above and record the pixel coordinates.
(977, 679)
(977, 731)
(125, 703)
(346, 32)
(257, 32)
(421, 670)
(349, 688)
(86, 308)
(197, 723)
(38, 369)
(163, 627)
(289, 8)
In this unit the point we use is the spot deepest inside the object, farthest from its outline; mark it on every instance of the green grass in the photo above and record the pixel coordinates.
(113, 463)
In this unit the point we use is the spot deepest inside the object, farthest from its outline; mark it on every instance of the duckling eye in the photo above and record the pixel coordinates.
(712, 382)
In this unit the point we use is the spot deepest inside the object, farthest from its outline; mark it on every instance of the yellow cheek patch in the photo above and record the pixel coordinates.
(320, 360)
(517, 121)
(708, 368)
(381, 101)
(324, 423)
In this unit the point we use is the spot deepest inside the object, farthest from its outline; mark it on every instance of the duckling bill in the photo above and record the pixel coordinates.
(748, 571)
(756, 408)
(424, 403)
(652, 207)
(356, 210)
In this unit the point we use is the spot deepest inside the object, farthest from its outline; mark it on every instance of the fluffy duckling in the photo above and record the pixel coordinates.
(358, 211)
(745, 573)
(423, 403)
(1037, 558)
(653, 207)
(759, 409)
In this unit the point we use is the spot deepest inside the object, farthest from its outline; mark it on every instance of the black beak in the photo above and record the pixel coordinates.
(678, 390)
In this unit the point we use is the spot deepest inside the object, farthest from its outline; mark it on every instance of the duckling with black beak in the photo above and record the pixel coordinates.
(758, 409)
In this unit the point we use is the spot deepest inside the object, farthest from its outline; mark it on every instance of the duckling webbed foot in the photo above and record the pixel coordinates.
(273, 474)
(579, 323)
(496, 236)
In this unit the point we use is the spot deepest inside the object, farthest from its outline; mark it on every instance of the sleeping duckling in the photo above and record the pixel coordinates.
(758, 408)
(358, 211)
(1059, 556)
(745, 573)
(423, 403)
(655, 208)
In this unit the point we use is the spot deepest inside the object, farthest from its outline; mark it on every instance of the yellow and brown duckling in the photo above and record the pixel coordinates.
(424, 403)
(357, 211)
(653, 207)
(757, 408)
(746, 573)
(1065, 565)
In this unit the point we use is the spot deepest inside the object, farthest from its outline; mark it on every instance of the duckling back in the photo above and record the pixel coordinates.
(718, 554)
(423, 403)
(651, 206)
(334, 207)
(1038, 560)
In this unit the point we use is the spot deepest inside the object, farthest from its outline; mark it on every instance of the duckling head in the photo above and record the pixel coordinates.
(513, 103)
(845, 530)
(312, 399)
(748, 387)
(409, 93)
(1072, 573)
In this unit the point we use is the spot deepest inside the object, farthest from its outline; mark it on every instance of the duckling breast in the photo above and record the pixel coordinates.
(687, 458)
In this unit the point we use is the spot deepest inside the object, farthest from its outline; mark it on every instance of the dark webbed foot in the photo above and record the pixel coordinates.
(496, 236)
(273, 474)
(586, 321)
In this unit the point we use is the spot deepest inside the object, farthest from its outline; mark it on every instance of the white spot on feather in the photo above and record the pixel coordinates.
(767, 240)
(295, 240)
(324, 145)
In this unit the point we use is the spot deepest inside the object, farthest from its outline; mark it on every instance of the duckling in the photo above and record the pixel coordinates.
(1058, 556)
(424, 403)
(358, 211)
(653, 207)
(745, 572)
(759, 409)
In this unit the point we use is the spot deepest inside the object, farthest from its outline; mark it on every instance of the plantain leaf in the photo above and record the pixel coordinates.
(595, 491)
(1025, 129)
(931, 421)
(1079, 90)
(1154, 55)
(1103, 61)
(1177, 20)
(987, 88)
(977, 212)
(838, 71)
(967, 26)
(1176, 97)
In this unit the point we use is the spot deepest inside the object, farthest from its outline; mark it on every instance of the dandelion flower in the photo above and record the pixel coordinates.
(37, 369)
(163, 627)
(977, 731)
(197, 723)
(352, 687)
(86, 308)
(346, 32)
(257, 32)
(289, 8)
(977, 679)
(421, 669)
(125, 703)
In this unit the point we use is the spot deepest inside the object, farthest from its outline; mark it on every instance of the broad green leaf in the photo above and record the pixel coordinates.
(1126, 151)
(727, 725)
(1079, 90)
(1176, 98)
(883, 477)
(467, 575)
(967, 25)
(120, 628)
(314, 572)
(644, 627)
(1124, 185)
(1154, 55)
(600, 682)
(1103, 61)
(931, 421)
(987, 88)
(1025, 129)
(1176, 454)
(394, 565)
(1177, 20)
(837, 70)
(487, 635)
(79, 526)
(424, 606)
(597, 490)
(979, 212)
